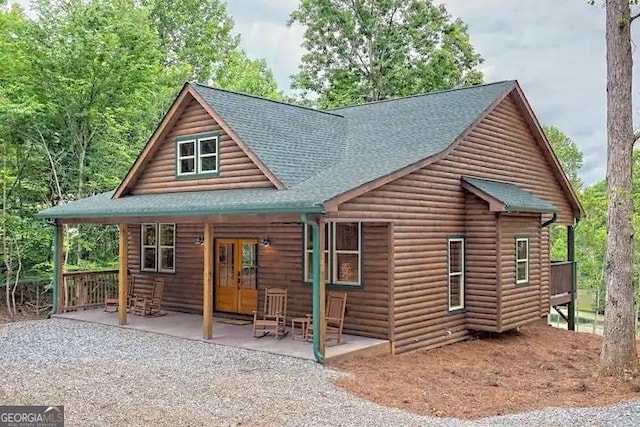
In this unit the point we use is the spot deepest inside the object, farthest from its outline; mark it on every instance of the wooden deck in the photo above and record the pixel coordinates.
(189, 326)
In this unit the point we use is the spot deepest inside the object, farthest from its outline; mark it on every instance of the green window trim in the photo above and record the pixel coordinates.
(196, 156)
(460, 272)
(522, 240)
(331, 254)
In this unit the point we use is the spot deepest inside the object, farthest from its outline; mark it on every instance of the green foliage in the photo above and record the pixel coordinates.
(568, 154)
(82, 86)
(368, 50)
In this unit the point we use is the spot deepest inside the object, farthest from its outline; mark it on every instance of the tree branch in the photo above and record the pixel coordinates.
(637, 15)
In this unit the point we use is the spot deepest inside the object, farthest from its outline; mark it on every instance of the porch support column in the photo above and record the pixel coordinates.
(123, 263)
(207, 284)
(58, 268)
(571, 256)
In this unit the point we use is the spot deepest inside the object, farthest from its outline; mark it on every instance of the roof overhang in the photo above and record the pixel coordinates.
(506, 196)
(186, 204)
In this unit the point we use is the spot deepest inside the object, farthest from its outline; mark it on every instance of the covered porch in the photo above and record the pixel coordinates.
(191, 250)
(235, 334)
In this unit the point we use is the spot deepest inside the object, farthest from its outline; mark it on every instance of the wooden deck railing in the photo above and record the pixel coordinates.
(561, 277)
(87, 289)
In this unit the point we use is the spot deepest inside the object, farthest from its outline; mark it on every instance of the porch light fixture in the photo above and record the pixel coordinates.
(264, 241)
(199, 240)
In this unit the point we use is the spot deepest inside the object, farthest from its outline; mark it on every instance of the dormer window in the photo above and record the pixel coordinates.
(197, 155)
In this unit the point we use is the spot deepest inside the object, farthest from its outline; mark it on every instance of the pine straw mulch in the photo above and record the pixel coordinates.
(534, 368)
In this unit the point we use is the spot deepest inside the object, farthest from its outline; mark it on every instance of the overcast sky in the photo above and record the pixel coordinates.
(554, 48)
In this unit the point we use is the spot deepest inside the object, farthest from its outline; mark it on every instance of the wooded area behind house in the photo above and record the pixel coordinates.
(84, 83)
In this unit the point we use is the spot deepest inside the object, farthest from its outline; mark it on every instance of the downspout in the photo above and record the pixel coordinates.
(553, 219)
(316, 287)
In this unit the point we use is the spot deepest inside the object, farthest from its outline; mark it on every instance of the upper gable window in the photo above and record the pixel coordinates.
(197, 155)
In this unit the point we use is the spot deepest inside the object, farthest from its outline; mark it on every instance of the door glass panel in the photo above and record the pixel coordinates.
(226, 265)
(249, 267)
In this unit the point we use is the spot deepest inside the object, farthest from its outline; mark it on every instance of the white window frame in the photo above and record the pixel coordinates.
(194, 156)
(197, 155)
(335, 252)
(201, 156)
(161, 247)
(458, 273)
(522, 260)
(308, 252)
(157, 247)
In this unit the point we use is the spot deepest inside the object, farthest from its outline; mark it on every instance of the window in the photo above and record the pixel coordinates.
(346, 253)
(522, 260)
(455, 273)
(308, 253)
(158, 248)
(197, 155)
(343, 253)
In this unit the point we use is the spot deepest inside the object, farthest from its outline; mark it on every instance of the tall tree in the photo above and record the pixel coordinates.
(368, 50)
(619, 343)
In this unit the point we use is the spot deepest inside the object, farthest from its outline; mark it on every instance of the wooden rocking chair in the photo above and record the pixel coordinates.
(274, 316)
(150, 306)
(111, 302)
(334, 316)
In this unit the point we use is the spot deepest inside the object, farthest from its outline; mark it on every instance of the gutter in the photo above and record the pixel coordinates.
(317, 353)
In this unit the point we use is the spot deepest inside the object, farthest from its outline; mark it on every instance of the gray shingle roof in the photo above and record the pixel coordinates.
(514, 198)
(319, 155)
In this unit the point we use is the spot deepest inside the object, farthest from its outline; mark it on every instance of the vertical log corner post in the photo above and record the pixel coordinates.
(571, 256)
(123, 266)
(207, 284)
(58, 268)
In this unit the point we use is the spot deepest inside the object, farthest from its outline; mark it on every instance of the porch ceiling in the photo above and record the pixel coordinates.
(187, 204)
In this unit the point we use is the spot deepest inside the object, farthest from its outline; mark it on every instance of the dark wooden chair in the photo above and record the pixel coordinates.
(111, 301)
(150, 306)
(334, 316)
(274, 317)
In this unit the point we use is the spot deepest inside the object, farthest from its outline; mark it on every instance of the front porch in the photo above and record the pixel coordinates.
(189, 326)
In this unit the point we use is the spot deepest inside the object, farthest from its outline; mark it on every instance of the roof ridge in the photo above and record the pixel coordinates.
(422, 94)
(268, 99)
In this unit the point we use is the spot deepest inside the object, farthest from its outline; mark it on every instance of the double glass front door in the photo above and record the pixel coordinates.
(236, 275)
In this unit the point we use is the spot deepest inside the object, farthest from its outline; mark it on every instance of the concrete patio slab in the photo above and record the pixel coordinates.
(189, 326)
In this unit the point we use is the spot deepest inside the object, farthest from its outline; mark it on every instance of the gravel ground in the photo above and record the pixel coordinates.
(108, 376)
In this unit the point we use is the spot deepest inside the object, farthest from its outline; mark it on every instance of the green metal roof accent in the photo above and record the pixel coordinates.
(514, 198)
(317, 155)
(194, 203)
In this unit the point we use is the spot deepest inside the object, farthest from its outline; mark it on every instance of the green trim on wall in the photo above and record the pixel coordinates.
(196, 138)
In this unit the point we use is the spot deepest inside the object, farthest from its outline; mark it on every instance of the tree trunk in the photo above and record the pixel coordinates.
(619, 345)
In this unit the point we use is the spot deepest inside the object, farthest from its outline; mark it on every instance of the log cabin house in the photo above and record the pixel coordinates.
(432, 211)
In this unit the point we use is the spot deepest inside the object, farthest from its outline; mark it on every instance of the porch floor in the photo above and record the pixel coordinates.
(189, 326)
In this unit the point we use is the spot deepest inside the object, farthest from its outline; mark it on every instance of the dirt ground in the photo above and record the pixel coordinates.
(535, 368)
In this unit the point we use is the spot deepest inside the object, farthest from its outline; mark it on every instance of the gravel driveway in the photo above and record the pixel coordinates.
(108, 376)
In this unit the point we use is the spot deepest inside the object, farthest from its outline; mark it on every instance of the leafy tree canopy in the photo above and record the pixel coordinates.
(368, 50)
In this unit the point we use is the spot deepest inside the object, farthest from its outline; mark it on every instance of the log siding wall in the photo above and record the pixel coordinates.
(481, 261)
(520, 303)
(429, 204)
(279, 265)
(236, 168)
